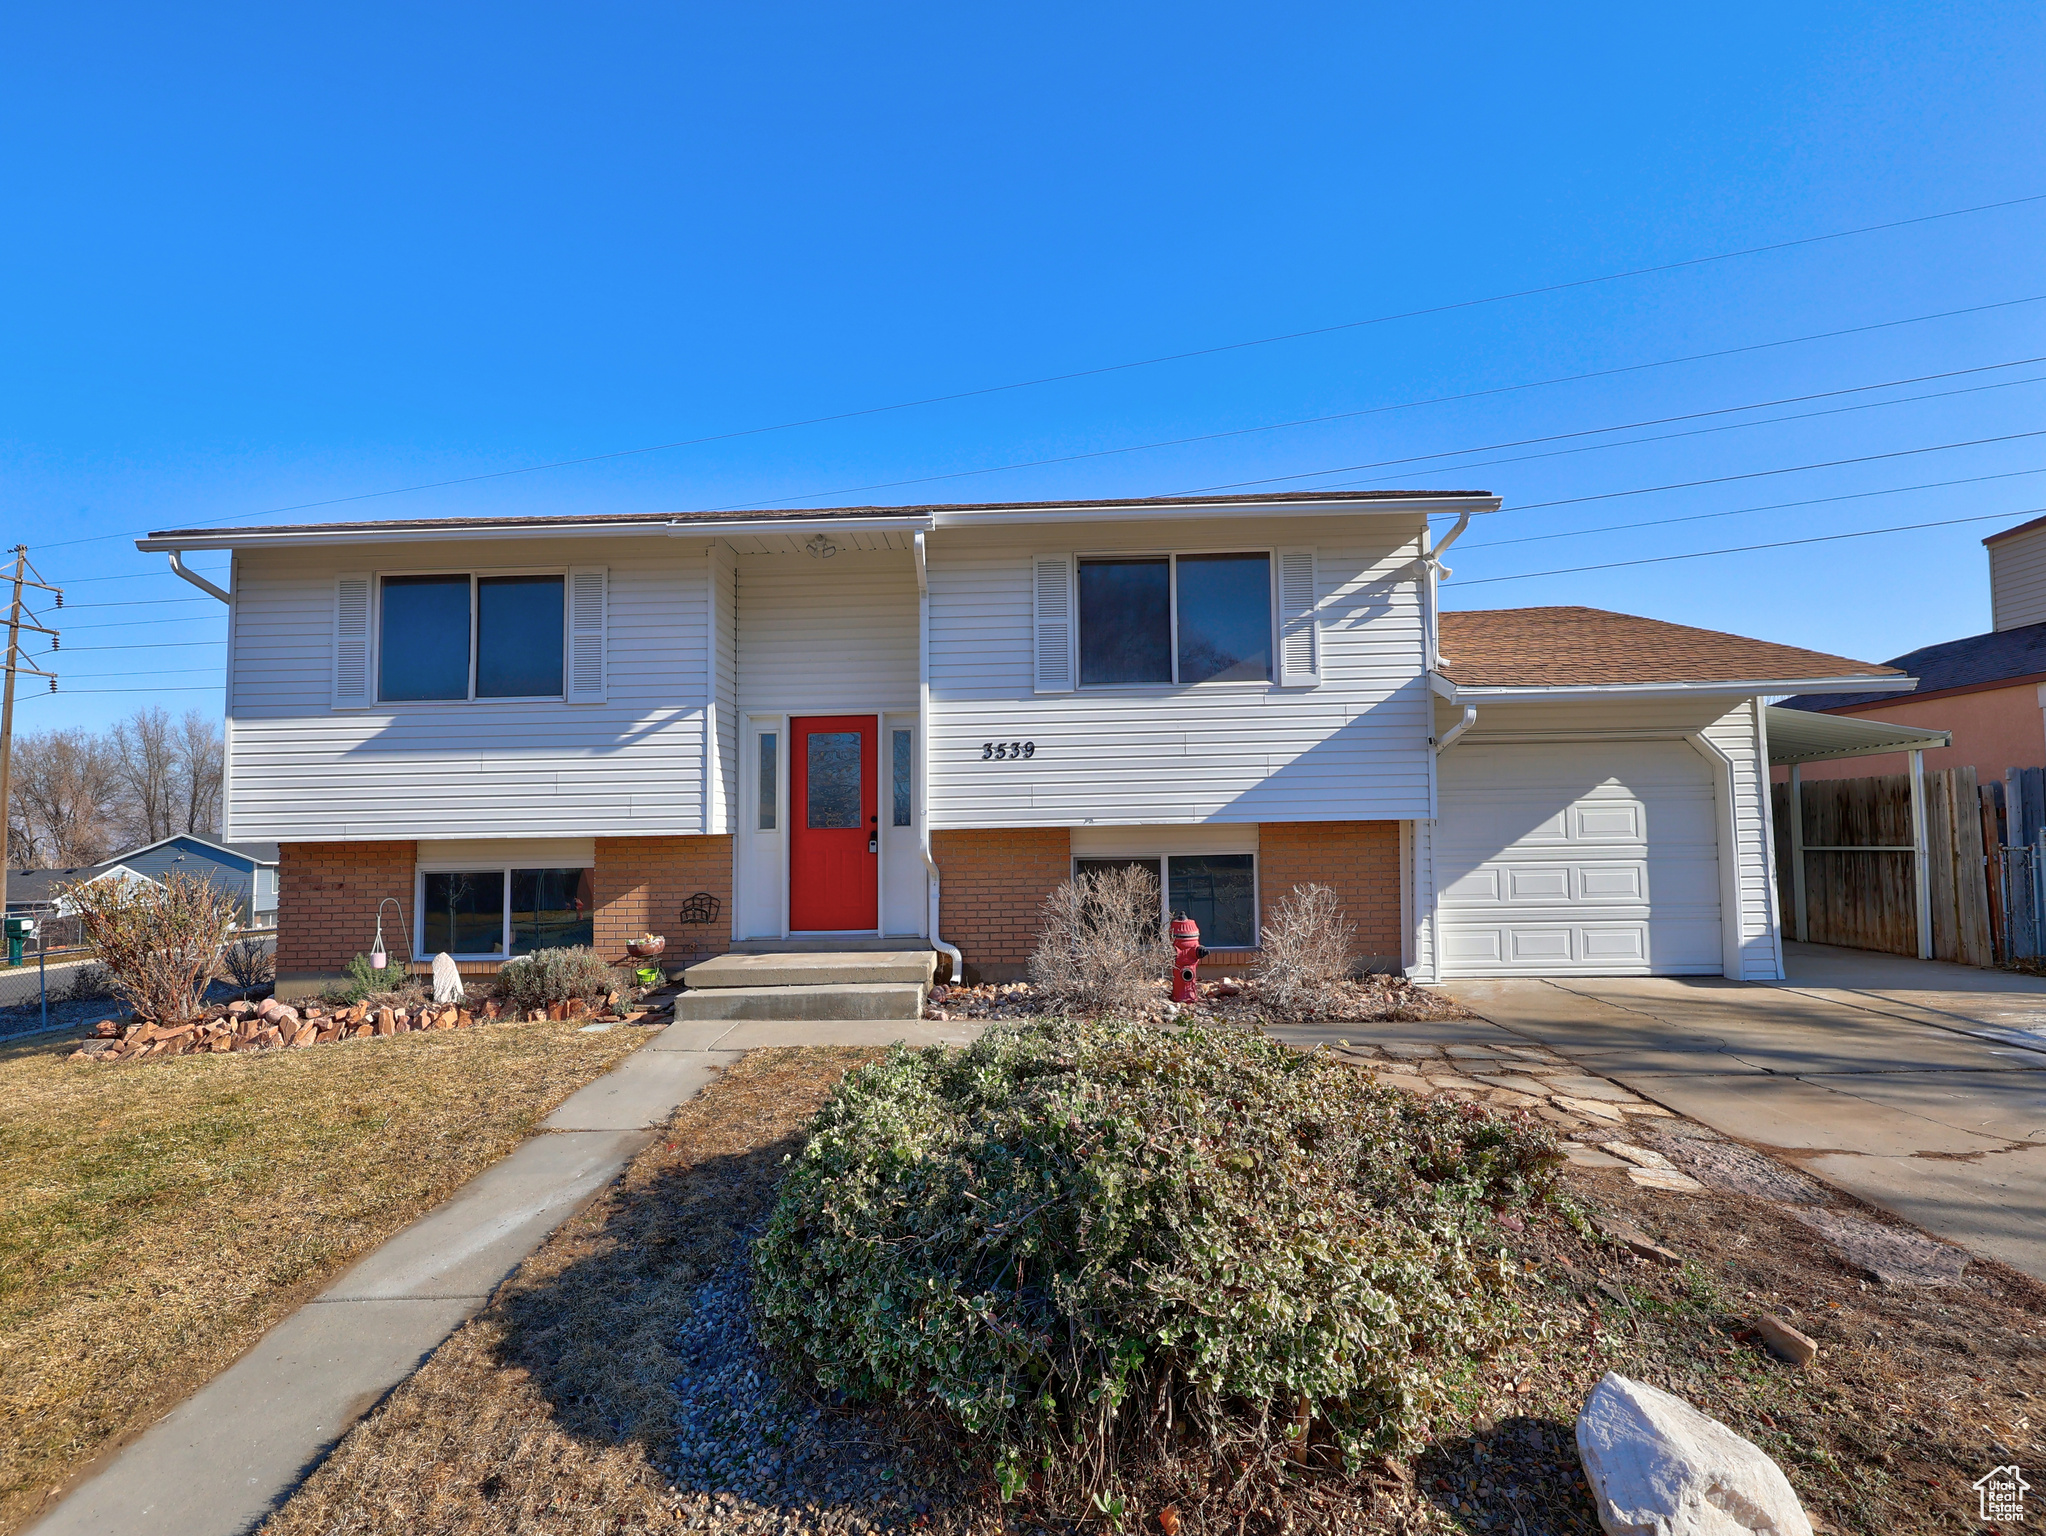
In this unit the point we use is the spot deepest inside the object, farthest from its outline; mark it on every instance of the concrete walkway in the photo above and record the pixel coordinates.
(1919, 1087)
(220, 1462)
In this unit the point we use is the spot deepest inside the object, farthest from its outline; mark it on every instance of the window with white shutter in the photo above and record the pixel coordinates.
(586, 598)
(352, 678)
(1299, 632)
(1052, 611)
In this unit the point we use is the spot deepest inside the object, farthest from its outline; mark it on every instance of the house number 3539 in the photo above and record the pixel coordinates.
(1002, 751)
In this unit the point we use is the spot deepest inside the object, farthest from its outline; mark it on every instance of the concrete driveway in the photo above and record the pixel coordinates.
(1917, 1086)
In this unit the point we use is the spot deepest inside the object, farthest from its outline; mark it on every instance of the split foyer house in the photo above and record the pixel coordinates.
(904, 726)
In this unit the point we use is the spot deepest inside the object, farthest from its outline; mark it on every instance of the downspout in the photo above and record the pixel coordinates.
(1434, 571)
(953, 958)
(178, 565)
(1448, 738)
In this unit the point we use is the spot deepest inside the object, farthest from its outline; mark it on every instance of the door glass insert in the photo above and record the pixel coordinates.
(902, 778)
(833, 780)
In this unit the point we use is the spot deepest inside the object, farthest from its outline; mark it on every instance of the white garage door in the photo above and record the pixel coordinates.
(1584, 859)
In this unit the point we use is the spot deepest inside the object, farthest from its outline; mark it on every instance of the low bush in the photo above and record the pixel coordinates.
(365, 981)
(577, 974)
(251, 962)
(1101, 945)
(1072, 1237)
(1306, 950)
(159, 940)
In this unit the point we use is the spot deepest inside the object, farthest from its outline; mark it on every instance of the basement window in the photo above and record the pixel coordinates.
(489, 913)
(1217, 890)
(1175, 619)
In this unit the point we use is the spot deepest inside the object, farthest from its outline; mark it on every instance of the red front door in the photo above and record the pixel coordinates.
(835, 827)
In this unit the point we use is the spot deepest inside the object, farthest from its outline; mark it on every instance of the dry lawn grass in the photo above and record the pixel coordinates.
(539, 1416)
(156, 1218)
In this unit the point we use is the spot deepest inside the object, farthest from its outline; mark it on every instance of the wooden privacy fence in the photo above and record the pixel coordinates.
(1860, 865)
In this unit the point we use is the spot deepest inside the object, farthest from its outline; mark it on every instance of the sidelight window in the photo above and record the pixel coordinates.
(1175, 619)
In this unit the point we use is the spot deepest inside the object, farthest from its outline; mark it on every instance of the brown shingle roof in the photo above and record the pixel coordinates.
(1590, 647)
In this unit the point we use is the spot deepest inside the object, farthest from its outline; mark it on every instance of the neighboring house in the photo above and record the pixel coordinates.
(249, 870)
(908, 725)
(1989, 690)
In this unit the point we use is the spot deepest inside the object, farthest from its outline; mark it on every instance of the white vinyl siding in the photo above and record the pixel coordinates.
(1353, 749)
(1754, 931)
(633, 764)
(724, 576)
(2017, 580)
(827, 636)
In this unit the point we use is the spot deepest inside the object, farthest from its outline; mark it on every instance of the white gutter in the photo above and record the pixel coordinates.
(1565, 693)
(178, 565)
(953, 958)
(1402, 506)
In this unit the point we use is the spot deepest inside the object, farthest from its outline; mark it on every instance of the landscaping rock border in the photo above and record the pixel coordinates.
(272, 1026)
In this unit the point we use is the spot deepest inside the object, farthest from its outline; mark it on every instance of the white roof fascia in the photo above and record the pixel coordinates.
(1439, 684)
(1564, 693)
(744, 527)
(1406, 505)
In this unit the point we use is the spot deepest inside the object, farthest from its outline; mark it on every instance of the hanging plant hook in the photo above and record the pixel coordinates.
(378, 957)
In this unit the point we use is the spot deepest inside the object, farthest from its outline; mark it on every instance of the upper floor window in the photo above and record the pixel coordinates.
(464, 637)
(1175, 619)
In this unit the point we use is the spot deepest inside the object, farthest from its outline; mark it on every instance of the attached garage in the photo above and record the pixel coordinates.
(1592, 858)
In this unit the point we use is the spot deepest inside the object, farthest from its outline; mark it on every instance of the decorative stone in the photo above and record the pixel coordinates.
(1797, 1348)
(387, 1022)
(447, 979)
(1664, 1178)
(1590, 1109)
(1637, 1242)
(1657, 1465)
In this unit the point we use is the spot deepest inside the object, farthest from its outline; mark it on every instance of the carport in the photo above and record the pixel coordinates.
(1797, 737)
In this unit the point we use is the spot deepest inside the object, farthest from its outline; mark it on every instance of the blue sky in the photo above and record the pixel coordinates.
(263, 257)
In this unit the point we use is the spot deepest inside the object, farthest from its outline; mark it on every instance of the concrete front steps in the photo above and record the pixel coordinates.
(809, 984)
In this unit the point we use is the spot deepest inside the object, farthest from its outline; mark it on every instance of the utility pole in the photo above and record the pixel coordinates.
(25, 575)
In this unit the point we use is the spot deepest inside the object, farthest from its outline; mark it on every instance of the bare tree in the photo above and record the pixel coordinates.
(64, 791)
(146, 750)
(200, 768)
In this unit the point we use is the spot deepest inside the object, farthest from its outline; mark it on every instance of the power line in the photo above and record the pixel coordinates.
(1150, 362)
(1704, 554)
(154, 645)
(168, 618)
(173, 688)
(1774, 506)
(1408, 405)
(1450, 453)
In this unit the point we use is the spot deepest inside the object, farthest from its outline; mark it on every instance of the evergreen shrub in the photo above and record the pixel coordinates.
(1071, 1233)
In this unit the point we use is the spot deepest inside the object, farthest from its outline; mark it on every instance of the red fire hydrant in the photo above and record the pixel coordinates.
(1186, 954)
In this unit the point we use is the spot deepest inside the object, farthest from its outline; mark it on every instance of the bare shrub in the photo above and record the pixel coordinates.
(1307, 950)
(161, 941)
(250, 962)
(1100, 945)
(90, 982)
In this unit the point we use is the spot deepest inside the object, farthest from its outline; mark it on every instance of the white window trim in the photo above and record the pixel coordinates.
(470, 867)
(1257, 916)
(475, 575)
(1171, 557)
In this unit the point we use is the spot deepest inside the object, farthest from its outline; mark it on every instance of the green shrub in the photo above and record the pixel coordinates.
(365, 980)
(1067, 1227)
(558, 976)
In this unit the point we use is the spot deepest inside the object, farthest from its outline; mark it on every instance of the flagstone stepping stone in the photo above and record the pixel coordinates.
(1891, 1255)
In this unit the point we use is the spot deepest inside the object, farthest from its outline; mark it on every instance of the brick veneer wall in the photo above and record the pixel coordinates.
(327, 899)
(1359, 860)
(641, 883)
(993, 881)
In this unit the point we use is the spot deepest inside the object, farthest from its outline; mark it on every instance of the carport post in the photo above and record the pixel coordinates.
(1798, 925)
(1920, 865)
